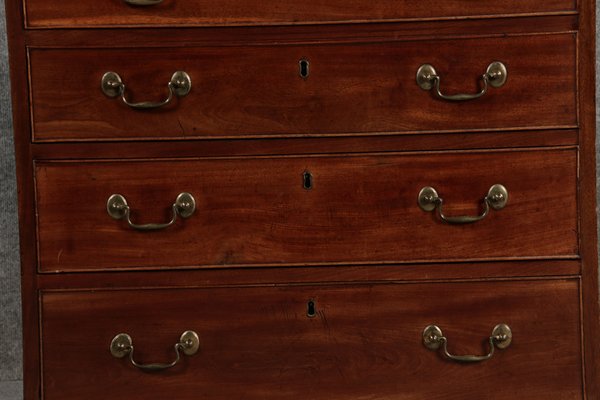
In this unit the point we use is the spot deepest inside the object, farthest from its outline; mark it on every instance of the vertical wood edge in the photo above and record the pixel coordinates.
(587, 198)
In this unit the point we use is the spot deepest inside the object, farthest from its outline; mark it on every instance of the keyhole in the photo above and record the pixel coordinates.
(307, 180)
(311, 310)
(304, 68)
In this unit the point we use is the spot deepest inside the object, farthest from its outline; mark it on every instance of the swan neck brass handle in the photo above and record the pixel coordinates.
(433, 339)
(113, 86)
(117, 207)
(495, 76)
(143, 2)
(429, 200)
(122, 345)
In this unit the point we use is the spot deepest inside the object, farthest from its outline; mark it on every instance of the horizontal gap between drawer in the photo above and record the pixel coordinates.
(308, 23)
(53, 287)
(261, 276)
(318, 155)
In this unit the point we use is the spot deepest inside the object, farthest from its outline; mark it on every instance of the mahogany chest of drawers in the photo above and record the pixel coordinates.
(306, 199)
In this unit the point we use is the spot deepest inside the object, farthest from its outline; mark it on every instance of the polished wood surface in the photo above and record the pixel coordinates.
(575, 21)
(333, 274)
(86, 13)
(364, 342)
(588, 194)
(360, 209)
(274, 34)
(190, 148)
(257, 91)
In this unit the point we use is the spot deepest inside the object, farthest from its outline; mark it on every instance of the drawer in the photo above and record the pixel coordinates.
(298, 210)
(364, 341)
(73, 13)
(258, 91)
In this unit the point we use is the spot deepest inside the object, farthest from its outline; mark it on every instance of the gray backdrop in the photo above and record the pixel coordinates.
(10, 302)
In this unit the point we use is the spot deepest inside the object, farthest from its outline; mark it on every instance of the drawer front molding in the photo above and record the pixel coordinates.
(363, 341)
(259, 212)
(351, 89)
(130, 13)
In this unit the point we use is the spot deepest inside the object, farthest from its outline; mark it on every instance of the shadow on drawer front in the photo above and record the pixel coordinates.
(380, 208)
(267, 91)
(363, 341)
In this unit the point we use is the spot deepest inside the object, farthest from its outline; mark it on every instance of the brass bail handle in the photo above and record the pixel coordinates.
(113, 86)
(143, 2)
(495, 76)
(122, 345)
(117, 208)
(429, 200)
(433, 339)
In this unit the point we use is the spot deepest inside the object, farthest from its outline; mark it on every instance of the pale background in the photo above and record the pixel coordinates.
(10, 302)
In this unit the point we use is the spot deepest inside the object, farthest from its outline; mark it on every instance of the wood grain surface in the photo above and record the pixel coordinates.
(255, 211)
(588, 193)
(551, 337)
(240, 277)
(273, 34)
(87, 13)
(364, 343)
(257, 91)
(191, 148)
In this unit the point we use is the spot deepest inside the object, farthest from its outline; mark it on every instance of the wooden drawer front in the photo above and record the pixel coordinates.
(257, 91)
(364, 342)
(256, 211)
(87, 13)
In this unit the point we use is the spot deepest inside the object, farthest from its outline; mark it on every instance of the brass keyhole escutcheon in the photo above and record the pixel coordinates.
(311, 309)
(304, 68)
(307, 180)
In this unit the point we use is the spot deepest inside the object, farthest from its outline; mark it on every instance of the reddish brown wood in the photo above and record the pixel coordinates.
(340, 33)
(235, 277)
(436, 31)
(587, 197)
(361, 209)
(72, 13)
(352, 89)
(291, 146)
(365, 342)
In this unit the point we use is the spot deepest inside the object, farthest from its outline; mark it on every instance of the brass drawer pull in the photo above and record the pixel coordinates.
(501, 338)
(495, 75)
(143, 2)
(496, 198)
(117, 207)
(122, 345)
(112, 85)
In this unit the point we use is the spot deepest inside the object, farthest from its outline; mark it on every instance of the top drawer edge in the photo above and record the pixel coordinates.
(40, 14)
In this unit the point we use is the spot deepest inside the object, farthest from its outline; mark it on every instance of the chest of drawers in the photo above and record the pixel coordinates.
(306, 200)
